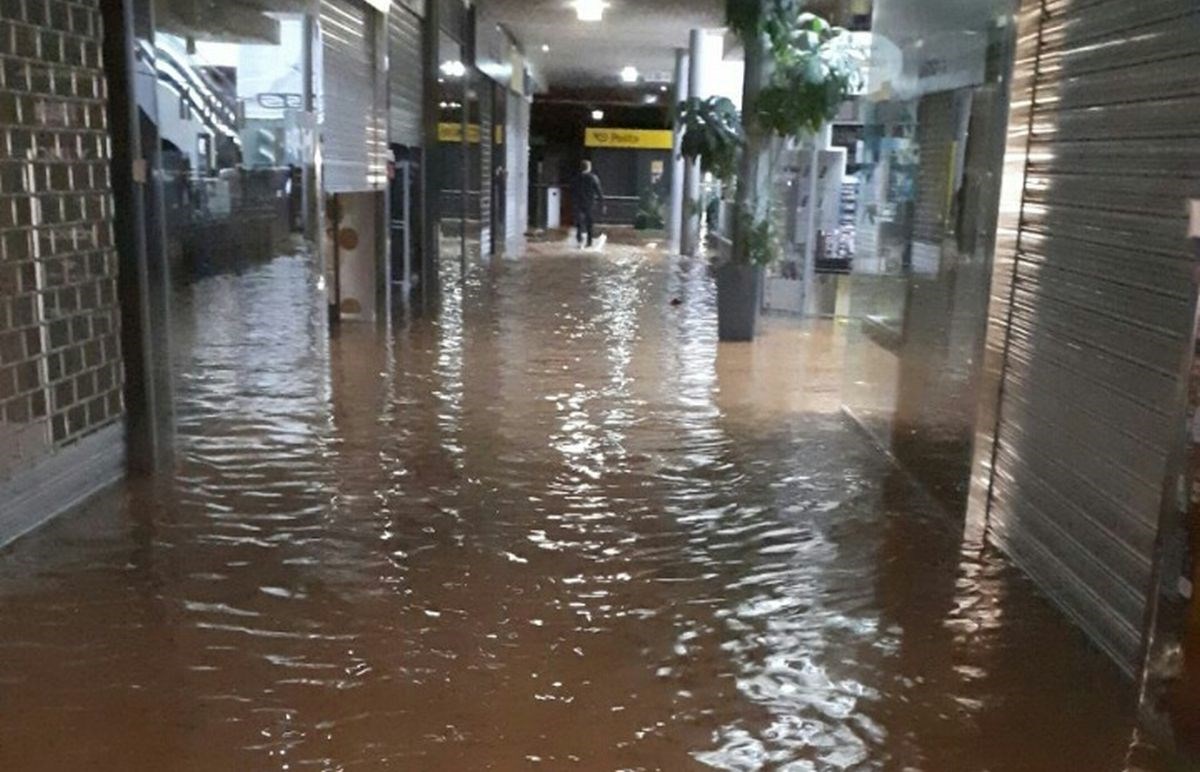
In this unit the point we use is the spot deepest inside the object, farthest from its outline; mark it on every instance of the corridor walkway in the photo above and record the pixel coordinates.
(556, 528)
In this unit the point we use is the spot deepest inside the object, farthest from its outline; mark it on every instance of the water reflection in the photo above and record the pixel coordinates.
(555, 527)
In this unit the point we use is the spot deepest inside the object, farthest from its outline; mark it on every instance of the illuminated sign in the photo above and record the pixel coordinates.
(636, 139)
(452, 132)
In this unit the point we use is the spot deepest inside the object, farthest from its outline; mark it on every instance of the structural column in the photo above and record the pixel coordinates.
(675, 207)
(701, 47)
(139, 234)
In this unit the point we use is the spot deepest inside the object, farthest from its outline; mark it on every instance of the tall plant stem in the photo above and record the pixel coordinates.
(755, 168)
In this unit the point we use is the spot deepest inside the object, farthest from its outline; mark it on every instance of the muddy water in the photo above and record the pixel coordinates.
(554, 528)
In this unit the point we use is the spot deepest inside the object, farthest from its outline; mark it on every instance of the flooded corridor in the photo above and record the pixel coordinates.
(557, 527)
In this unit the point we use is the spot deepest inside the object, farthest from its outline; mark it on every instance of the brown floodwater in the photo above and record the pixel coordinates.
(553, 527)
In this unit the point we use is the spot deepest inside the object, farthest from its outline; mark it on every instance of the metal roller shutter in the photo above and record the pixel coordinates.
(486, 140)
(406, 76)
(352, 123)
(1101, 306)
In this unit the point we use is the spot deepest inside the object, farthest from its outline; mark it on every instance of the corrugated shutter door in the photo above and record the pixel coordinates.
(1101, 307)
(351, 122)
(485, 164)
(406, 76)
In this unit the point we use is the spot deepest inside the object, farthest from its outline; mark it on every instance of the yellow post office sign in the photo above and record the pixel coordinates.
(452, 132)
(635, 139)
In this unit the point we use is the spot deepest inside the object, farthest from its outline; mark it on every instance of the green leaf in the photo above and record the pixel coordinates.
(712, 132)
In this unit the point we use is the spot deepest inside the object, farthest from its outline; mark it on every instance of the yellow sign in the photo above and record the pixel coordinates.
(636, 139)
(452, 132)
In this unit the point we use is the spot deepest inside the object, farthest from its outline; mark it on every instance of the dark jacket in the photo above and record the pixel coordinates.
(587, 192)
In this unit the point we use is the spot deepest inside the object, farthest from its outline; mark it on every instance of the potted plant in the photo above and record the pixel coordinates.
(650, 215)
(712, 133)
(799, 71)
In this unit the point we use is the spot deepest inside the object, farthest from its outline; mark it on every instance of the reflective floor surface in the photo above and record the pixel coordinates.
(557, 527)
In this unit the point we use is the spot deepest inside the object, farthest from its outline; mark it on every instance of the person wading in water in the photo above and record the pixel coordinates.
(587, 195)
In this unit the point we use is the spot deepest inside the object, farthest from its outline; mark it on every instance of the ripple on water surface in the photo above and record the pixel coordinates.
(554, 526)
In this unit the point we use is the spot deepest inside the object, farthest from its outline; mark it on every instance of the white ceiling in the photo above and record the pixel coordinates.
(642, 33)
(228, 21)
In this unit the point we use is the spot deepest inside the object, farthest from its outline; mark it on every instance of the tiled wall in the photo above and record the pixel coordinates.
(60, 359)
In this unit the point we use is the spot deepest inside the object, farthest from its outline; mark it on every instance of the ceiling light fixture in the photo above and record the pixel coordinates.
(629, 74)
(453, 69)
(597, 115)
(590, 10)
(545, 48)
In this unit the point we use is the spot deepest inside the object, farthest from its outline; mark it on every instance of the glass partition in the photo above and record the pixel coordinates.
(233, 130)
(933, 142)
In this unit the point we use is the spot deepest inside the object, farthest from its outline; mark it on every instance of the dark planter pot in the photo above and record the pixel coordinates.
(739, 289)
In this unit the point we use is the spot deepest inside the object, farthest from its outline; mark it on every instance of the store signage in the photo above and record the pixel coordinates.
(635, 139)
(453, 132)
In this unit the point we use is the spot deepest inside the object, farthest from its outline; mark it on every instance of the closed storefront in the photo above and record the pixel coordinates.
(353, 135)
(354, 155)
(406, 75)
(632, 165)
(1093, 302)
(61, 375)
(482, 175)
(406, 129)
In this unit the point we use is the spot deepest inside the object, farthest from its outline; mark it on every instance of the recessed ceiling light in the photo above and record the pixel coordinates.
(597, 115)
(453, 69)
(545, 48)
(629, 74)
(590, 10)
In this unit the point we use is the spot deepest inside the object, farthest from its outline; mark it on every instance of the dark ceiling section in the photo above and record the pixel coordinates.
(643, 95)
(566, 122)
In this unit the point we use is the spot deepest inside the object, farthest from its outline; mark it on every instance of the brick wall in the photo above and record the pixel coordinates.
(60, 359)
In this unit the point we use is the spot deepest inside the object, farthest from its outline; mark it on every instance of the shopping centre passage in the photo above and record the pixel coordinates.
(344, 424)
